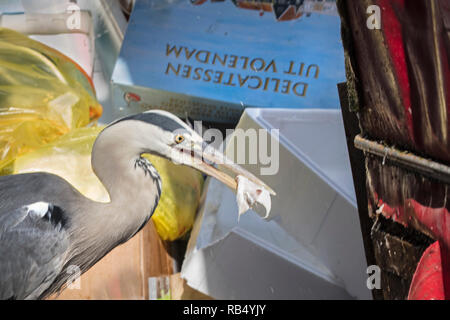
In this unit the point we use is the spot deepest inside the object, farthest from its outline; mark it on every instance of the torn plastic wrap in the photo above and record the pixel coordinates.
(249, 194)
(403, 199)
(399, 83)
(43, 95)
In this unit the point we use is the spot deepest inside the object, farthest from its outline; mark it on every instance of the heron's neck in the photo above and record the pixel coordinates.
(131, 181)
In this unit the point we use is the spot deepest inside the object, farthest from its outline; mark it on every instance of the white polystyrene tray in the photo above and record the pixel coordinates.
(316, 137)
(314, 227)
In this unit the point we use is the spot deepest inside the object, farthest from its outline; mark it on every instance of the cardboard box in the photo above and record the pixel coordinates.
(311, 247)
(211, 59)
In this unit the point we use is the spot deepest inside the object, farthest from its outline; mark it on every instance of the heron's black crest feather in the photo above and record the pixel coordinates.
(156, 119)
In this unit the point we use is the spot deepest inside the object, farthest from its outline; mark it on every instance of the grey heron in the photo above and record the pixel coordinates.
(47, 226)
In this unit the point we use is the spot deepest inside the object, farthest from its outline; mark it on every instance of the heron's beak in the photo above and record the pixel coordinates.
(205, 159)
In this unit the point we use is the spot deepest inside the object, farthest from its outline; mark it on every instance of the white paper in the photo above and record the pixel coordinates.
(248, 193)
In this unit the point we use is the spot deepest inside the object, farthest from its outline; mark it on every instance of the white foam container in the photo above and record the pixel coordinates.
(311, 247)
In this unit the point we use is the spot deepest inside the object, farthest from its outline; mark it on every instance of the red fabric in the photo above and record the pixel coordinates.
(427, 283)
(432, 278)
(445, 67)
(393, 35)
(435, 220)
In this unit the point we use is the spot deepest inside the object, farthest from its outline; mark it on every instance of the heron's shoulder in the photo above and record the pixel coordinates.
(32, 183)
(22, 190)
(32, 177)
(39, 215)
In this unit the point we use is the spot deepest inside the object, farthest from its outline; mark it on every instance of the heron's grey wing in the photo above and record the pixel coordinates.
(33, 246)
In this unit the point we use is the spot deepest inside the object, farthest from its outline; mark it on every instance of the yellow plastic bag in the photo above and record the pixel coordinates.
(181, 190)
(70, 157)
(43, 95)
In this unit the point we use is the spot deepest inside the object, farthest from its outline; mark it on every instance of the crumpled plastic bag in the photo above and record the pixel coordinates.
(43, 95)
(181, 191)
(70, 157)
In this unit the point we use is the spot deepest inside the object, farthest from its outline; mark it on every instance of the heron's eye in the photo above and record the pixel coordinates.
(179, 138)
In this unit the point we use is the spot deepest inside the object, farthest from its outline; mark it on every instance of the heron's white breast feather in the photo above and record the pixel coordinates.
(38, 209)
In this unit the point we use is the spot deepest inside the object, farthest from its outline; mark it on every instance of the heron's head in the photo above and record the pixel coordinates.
(163, 134)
